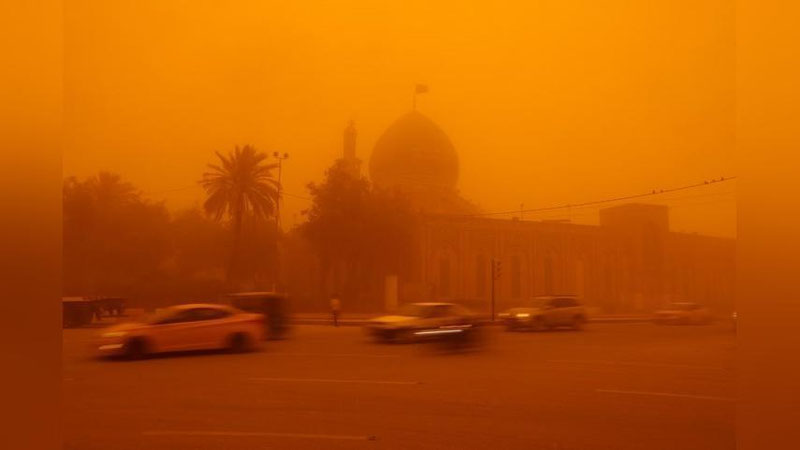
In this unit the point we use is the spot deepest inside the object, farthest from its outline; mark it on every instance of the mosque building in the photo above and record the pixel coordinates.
(630, 262)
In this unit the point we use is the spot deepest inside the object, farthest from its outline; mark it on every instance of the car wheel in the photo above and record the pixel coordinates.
(387, 336)
(578, 322)
(239, 343)
(134, 349)
(403, 336)
(538, 324)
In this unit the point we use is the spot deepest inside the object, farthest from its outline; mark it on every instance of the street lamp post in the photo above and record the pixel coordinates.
(280, 159)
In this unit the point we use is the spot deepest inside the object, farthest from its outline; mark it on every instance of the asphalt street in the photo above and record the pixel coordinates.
(611, 386)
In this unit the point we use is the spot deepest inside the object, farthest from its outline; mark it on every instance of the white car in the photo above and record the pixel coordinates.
(183, 328)
(422, 321)
(683, 313)
(546, 312)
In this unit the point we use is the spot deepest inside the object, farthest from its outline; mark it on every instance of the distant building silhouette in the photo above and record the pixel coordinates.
(630, 262)
(349, 149)
(416, 157)
(349, 142)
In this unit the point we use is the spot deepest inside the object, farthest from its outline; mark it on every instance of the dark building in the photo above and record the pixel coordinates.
(630, 262)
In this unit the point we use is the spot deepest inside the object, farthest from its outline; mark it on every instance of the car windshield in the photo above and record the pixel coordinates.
(539, 302)
(413, 310)
(159, 315)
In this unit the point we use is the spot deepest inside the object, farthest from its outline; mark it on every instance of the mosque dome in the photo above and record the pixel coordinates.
(414, 154)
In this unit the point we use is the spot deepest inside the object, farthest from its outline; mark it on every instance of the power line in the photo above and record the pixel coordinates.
(608, 200)
(558, 214)
(295, 196)
(669, 201)
(172, 190)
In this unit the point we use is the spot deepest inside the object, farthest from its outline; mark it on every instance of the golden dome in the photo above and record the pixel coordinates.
(414, 154)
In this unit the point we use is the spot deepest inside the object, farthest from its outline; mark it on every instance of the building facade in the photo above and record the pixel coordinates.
(631, 262)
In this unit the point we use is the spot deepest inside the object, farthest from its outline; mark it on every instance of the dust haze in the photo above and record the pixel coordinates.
(546, 103)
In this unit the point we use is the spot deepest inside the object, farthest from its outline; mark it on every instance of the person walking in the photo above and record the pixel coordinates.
(336, 307)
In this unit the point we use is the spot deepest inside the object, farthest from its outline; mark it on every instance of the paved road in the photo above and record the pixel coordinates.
(612, 386)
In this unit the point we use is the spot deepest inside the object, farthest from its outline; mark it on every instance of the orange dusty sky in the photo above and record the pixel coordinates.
(547, 102)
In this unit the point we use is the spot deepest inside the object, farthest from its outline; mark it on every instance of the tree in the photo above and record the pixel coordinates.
(199, 245)
(359, 233)
(115, 242)
(240, 185)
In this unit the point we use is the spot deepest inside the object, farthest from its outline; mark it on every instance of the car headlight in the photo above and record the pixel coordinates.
(114, 334)
(522, 315)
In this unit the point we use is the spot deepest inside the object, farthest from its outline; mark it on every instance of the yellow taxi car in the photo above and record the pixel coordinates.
(183, 328)
(683, 313)
(546, 312)
(426, 321)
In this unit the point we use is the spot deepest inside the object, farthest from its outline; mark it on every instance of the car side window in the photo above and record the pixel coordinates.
(178, 317)
(429, 312)
(200, 314)
(558, 303)
(457, 310)
(438, 311)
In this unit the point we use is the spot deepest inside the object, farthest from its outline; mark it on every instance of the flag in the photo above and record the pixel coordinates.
(421, 89)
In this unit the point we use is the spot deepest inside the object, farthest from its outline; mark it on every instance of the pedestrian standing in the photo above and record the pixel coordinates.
(336, 306)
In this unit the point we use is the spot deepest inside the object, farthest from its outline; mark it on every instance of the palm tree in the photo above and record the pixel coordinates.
(240, 185)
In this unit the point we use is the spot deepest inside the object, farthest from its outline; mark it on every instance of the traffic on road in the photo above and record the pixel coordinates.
(608, 386)
(430, 375)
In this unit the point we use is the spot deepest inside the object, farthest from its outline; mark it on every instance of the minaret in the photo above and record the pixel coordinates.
(349, 153)
(349, 150)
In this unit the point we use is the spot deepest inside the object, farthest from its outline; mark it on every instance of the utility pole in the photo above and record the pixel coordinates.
(418, 89)
(492, 289)
(280, 159)
(276, 274)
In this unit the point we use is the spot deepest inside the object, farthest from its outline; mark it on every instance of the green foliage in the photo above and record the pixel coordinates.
(116, 242)
(241, 184)
(366, 231)
(241, 187)
(113, 239)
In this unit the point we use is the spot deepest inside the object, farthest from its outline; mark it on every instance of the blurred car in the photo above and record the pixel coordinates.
(274, 307)
(76, 311)
(682, 313)
(545, 312)
(423, 321)
(81, 311)
(183, 328)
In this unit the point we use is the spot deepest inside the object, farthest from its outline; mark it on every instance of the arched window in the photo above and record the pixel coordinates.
(480, 276)
(516, 277)
(444, 277)
(548, 275)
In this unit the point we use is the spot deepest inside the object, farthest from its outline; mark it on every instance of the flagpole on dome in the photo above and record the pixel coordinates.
(418, 89)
